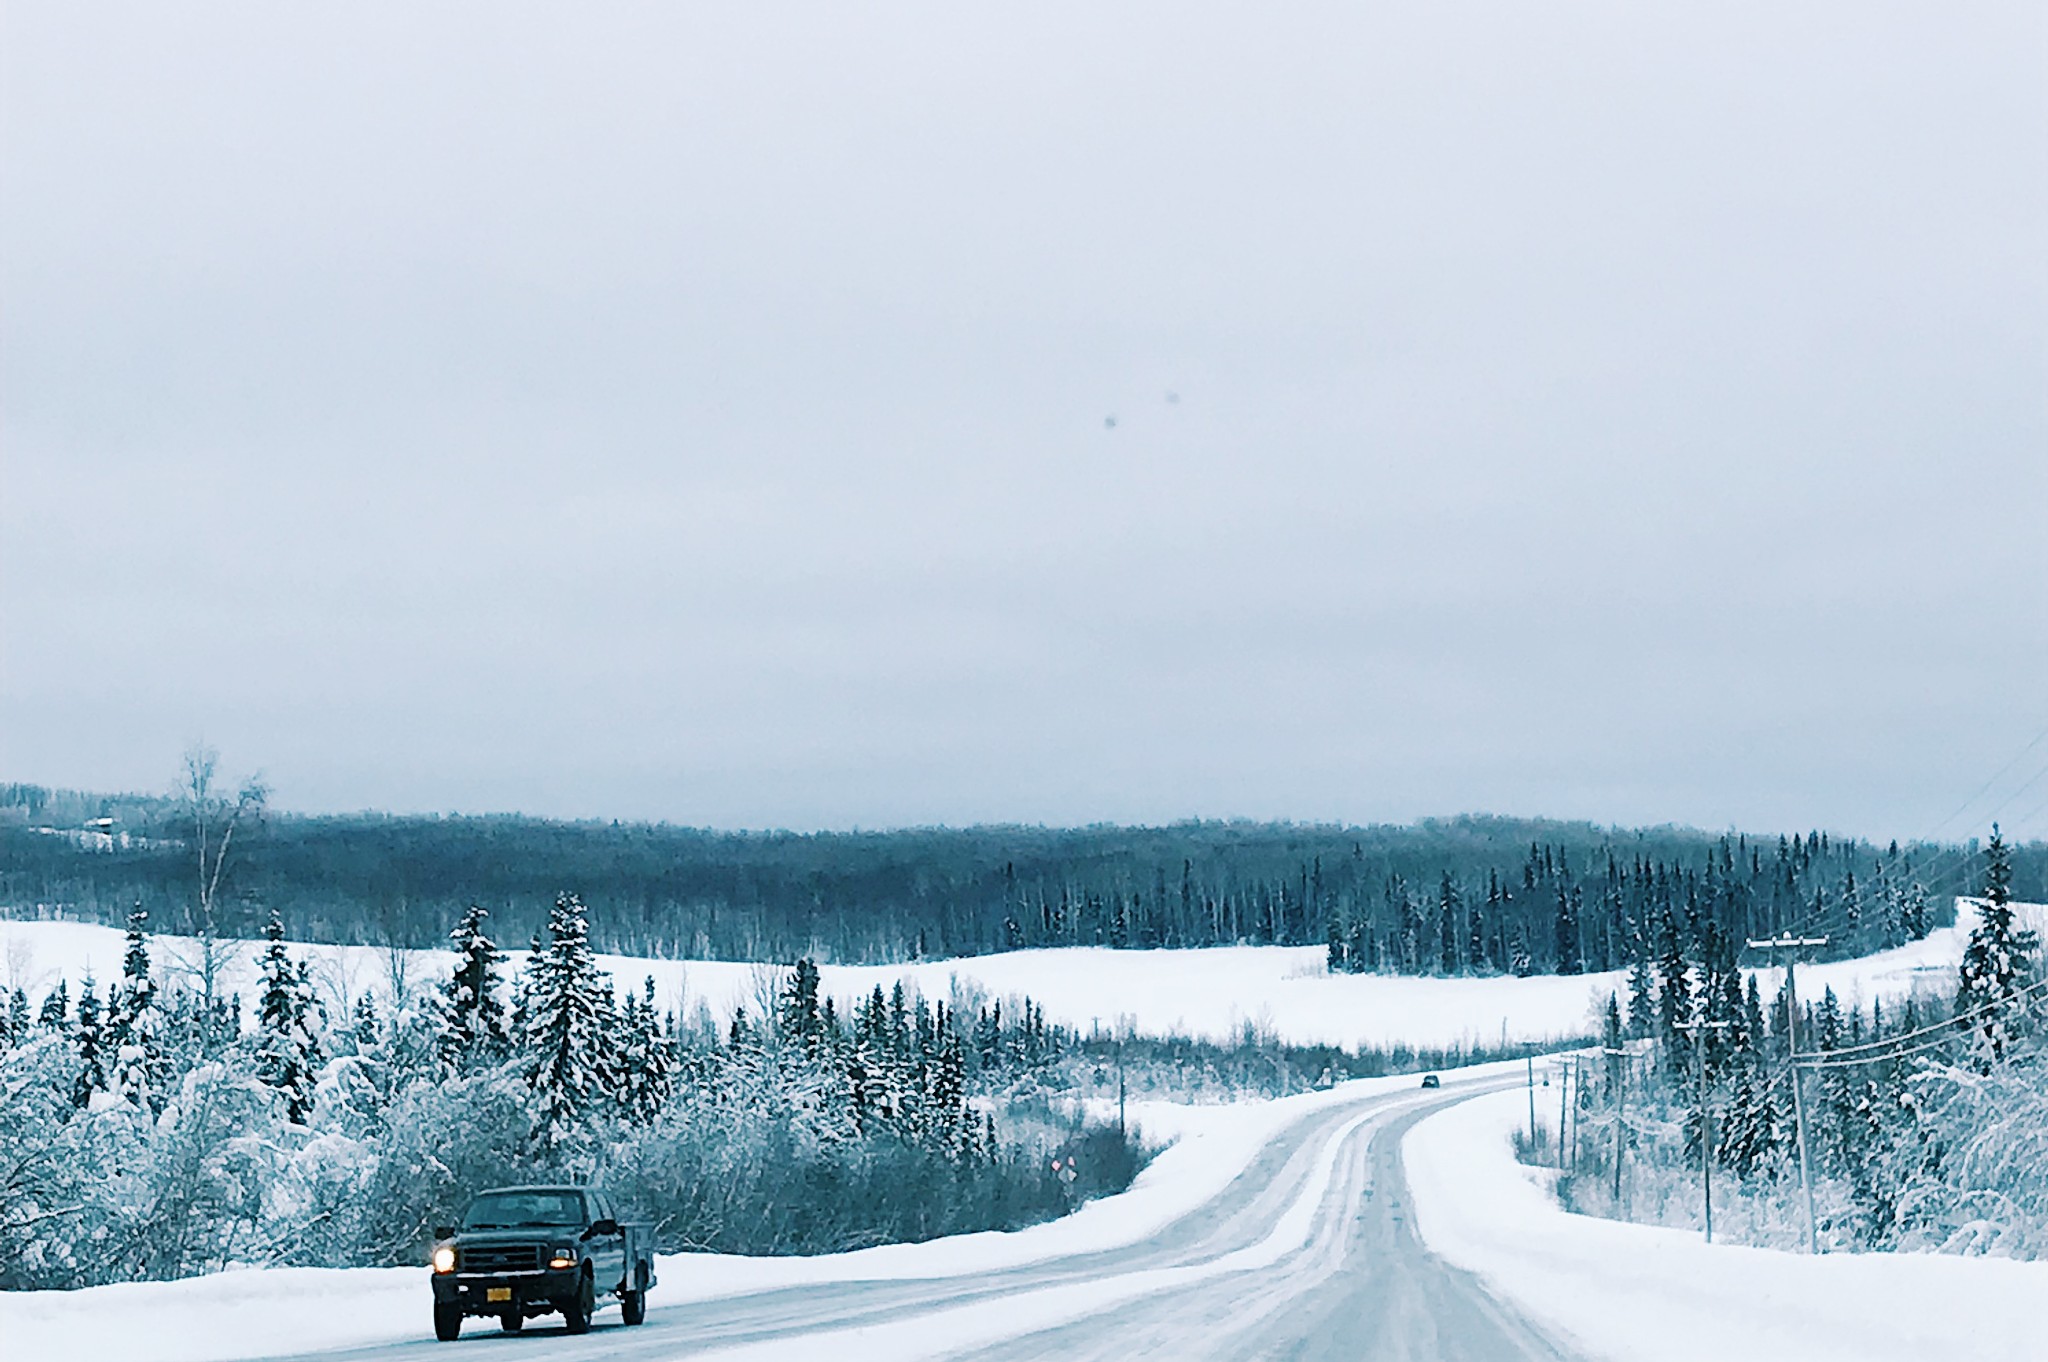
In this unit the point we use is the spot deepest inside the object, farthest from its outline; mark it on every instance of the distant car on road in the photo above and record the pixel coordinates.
(1431, 1081)
(526, 1251)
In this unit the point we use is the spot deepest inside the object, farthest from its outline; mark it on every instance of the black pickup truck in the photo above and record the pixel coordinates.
(527, 1251)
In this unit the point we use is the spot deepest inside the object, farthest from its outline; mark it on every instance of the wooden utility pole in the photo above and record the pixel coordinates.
(1620, 1114)
(1578, 1118)
(1563, 1090)
(1792, 945)
(1120, 1134)
(1532, 1103)
(1699, 1031)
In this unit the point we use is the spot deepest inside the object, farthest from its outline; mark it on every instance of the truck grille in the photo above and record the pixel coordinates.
(501, 1258)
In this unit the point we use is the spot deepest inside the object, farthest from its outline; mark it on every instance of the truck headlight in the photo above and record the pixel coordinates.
(562, 1257)
(444, 1259)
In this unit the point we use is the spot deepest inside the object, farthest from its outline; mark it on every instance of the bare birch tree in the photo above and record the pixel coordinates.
(215, 822)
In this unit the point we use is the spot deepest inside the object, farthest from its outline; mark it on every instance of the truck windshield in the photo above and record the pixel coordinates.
(519, 1210)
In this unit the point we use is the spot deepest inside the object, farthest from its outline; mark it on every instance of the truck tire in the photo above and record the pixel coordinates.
(577, 1310)
(633, 1306)
(447, 1322)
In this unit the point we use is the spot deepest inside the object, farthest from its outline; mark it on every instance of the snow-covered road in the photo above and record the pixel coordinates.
(1310, 1252)
(1342, 1224)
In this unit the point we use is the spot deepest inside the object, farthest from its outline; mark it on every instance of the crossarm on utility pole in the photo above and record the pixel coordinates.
(1794, 944)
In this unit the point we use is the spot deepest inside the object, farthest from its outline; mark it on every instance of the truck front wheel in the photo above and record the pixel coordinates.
(578, 1309)
(633, 1306)
(447, 1322)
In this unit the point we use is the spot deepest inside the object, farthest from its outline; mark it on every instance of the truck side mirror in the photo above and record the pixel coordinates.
(444, 1231)
(603, 1228)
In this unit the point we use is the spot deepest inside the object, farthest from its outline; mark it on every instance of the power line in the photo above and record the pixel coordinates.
(1951, 1023)
(2039, 738)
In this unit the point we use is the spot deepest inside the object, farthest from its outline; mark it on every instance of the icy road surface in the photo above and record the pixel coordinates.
(1309, 1253)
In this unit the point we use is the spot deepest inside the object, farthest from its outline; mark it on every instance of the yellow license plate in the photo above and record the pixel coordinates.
(497, 1293)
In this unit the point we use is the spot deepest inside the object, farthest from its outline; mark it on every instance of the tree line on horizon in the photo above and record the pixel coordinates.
(1472, 895)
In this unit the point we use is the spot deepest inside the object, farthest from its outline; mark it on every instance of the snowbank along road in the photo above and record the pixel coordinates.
(1310, 1253)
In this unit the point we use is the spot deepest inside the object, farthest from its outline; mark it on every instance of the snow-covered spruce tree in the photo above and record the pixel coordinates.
(522, 985)
(1336, 951)
(1642, 992)
(952, 1128)
(1999, 964)
(141, 1072)
(287, 1026)
(1449, 911)
(1750, 1134)
(1674, 991)
(55, 1014)
(1916, 919)
(473, 1028)
(646, 1070)
(797, 1015)
(568, 1064)
(1569, 957)
(91, 1040)
(1519, 962)
(14, 1021)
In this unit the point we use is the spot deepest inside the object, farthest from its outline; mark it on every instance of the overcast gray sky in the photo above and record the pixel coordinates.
(1622, 411)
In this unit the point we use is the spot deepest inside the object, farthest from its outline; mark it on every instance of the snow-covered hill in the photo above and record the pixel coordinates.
(1214, 993)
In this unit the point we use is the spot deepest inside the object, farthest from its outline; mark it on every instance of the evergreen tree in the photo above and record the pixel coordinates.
(1611, 1037)
(1569, 957)
(1642, 994)
(134, 1026)
(1475, 938)
(1448, 925)
(1998, 964)
(1751, 1130)
(91, 1040)
(14, 1020)
(473, 1019)
(365, 1027)
(523, 986)
(56, 1010)
(567, 1060)
(288, 1050)
(798, 1018)
(647, 1059)
(1914, 915)
(949, 1126)
(1674, 988)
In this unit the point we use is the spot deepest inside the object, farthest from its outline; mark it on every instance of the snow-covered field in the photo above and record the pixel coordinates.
(1212, 993)
(1645, 1294)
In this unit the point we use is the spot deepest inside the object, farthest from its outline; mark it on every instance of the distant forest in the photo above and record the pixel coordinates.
(1447, 896)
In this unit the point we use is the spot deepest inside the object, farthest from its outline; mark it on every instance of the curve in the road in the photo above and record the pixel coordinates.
(1309, 1254)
